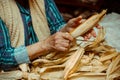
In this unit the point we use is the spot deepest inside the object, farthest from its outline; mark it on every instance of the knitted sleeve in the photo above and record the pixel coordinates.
(10, 57)
(54, 18)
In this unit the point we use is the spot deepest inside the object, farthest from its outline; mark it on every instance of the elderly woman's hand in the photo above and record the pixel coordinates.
(91, 33)
(59, 41)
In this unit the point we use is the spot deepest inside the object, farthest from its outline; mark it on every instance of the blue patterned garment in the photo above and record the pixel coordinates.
(10, 57)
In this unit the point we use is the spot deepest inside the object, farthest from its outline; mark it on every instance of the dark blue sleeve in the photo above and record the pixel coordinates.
(54, 18)
(10, 57)
(7, 59)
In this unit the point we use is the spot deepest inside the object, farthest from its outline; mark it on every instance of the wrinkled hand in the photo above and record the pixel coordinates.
(91, 33)
(74, 22)
(59, 41)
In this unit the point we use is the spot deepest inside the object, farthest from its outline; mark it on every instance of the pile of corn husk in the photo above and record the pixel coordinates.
(85, 60)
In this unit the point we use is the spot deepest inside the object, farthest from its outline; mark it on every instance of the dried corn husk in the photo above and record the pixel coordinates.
(73, 62)
(52, 68)
(113, 65)
(24, 67)
(11, 75)
(107, 57)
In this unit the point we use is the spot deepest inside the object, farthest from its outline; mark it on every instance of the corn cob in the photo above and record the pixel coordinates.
(88, 24)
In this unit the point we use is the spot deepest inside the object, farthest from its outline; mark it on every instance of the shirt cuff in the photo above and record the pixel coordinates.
(21, 55)
(61, 26)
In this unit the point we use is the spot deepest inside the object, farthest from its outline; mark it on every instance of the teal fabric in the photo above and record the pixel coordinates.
(10, 57)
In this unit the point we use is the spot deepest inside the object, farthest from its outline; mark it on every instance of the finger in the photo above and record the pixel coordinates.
(74, 22)
(85, 38)
(63, 49)
(93, 33)
(60, 48)
(83, 20)
(77, 20)
(89, 36)
(64, 43)
(98, 26)
(67, 36)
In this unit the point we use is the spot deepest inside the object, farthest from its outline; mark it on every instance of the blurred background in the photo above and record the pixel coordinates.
(86, 8)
